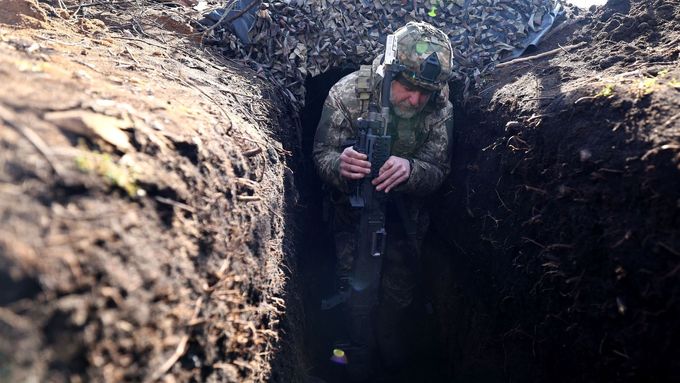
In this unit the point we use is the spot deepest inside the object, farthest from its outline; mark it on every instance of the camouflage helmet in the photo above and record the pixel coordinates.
(425, 53)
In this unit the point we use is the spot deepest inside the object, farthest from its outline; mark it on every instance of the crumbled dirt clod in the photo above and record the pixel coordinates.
(22, 13)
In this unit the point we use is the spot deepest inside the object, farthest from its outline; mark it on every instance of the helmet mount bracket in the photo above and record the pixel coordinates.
(430, 68)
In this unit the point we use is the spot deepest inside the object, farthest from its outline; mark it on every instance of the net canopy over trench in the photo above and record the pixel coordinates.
(291, 39)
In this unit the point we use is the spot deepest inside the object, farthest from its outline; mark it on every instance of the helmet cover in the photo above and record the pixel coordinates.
(425, 54)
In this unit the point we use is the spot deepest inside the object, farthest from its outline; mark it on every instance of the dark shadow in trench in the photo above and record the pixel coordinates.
(315, 252)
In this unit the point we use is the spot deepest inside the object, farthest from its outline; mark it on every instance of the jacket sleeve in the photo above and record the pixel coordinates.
(332, 133)
(430, 164)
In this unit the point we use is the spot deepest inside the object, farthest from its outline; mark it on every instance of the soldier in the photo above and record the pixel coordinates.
(421, 120)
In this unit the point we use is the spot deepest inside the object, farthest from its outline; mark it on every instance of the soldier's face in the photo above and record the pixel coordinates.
(408, 100)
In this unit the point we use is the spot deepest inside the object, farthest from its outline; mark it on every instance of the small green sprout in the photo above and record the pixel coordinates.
(118, 175)
(606, 91)
(646, 86)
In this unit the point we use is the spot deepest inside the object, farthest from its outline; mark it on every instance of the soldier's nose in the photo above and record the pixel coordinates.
(414, 98)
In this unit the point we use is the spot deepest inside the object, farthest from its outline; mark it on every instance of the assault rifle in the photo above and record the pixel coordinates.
(374, 141)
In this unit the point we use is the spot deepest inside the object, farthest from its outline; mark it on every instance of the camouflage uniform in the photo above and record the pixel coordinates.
(424, 58)
(423, 140)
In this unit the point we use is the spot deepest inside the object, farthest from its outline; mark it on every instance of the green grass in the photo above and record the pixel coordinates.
(113, 172)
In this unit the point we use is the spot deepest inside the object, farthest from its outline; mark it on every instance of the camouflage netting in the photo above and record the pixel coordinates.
(292, 39)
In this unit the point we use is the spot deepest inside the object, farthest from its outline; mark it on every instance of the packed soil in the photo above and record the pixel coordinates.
(155, 200)
(142, 202)
(557, 236)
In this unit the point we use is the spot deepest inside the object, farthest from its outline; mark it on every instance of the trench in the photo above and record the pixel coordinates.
(552, 253)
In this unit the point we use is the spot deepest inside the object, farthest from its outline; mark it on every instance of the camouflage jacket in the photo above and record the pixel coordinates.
(423, 139)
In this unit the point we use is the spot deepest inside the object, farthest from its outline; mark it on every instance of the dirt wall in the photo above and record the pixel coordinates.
(557, 234)
(143, 194)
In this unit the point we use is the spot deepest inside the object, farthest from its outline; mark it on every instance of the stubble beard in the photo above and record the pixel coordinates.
(404, 109)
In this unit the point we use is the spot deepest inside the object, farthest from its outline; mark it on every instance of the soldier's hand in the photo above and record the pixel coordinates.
(353, 165)
(395, 171)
